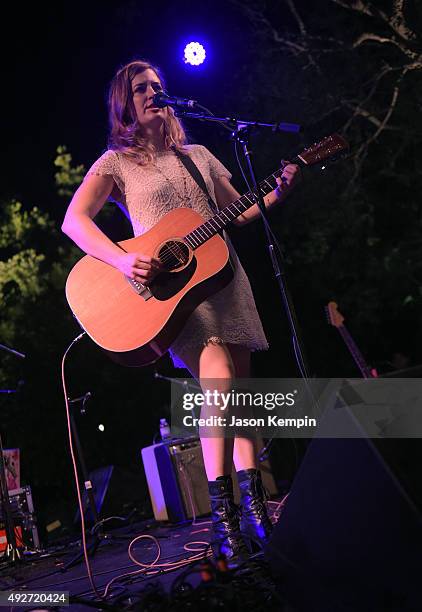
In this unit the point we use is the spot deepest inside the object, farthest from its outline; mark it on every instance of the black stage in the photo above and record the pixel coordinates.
(347, 538)
(154, 586)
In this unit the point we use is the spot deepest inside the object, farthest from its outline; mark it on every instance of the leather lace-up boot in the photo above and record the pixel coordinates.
(225, 520)
(254, 521)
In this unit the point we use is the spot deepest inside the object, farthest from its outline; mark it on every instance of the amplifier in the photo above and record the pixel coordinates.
(177, 481)
(24, 518)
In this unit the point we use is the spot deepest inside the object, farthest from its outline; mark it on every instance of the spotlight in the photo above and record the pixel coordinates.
(101, 427)
(194, 54)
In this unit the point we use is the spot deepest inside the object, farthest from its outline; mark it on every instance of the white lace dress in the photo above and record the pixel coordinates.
(148, 193)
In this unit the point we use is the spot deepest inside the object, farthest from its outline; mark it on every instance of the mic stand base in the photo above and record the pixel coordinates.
(99, 539)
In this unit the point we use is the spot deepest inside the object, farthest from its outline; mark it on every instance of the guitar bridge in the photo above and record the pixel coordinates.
(140, 289)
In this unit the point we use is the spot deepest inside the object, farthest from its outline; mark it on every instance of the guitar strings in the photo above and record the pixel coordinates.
(195, 235)
(175, 251)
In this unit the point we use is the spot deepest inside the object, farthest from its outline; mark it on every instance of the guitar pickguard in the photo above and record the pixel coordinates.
(167, 284)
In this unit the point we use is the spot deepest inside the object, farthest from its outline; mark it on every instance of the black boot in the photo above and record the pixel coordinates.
(254, 520)
(226, 537)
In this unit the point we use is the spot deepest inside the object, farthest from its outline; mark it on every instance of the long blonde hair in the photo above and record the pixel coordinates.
(125, 131)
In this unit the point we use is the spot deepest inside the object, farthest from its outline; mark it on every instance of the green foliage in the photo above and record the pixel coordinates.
(33, 268)
(22, 270)
(67, 177)
(21, 277)
(18, 224)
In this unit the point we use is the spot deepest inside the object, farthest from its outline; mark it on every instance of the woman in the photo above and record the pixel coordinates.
(142, 172)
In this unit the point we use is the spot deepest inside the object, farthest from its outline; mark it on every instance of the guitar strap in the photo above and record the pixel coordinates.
(195, 173)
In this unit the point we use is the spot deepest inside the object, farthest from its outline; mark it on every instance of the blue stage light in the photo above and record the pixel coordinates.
(194, 54)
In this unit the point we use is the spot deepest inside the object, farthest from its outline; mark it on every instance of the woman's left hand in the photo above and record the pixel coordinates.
(290, 176)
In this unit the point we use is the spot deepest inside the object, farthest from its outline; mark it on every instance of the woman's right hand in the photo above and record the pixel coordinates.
(136, 266)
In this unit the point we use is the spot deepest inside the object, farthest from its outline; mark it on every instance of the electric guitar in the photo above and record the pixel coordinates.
(336, 319)
(136, 323)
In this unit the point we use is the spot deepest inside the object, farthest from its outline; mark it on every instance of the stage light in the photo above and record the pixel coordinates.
(101, 427)
(194, 54)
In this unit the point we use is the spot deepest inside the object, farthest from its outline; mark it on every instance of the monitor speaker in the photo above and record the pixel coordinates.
(350, 535)
(116, 491)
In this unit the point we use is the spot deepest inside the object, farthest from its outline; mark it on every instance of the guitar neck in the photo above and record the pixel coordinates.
(356, 354)
(228, 214)
(327, 148)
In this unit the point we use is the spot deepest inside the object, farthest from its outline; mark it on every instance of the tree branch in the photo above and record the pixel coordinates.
(296, 15)
(368, 36)
(357, 5)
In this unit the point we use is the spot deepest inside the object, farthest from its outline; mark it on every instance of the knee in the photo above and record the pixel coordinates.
(216, 363)
(223, 371)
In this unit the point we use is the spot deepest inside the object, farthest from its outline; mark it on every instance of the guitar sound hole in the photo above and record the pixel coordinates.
(174, 254)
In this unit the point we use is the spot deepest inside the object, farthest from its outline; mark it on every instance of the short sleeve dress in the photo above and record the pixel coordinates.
(148, 193)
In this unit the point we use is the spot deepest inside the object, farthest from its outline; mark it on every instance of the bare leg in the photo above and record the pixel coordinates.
(245, 452)
(225, 362)
(216, 368)
(214, 364)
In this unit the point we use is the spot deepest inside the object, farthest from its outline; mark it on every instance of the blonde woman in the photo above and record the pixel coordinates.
(141, 171)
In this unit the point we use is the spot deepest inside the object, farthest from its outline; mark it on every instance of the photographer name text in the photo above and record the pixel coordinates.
(270, 421)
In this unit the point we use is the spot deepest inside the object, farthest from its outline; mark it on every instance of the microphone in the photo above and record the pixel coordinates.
(288, 127)
(161, 99)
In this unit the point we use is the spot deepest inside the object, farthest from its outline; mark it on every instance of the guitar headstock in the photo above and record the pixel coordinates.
(327, 148)
(334, 317)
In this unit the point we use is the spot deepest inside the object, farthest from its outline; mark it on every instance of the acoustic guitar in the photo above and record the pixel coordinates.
(136, 324)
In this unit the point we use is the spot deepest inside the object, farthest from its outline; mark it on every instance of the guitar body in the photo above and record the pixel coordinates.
(135, 327)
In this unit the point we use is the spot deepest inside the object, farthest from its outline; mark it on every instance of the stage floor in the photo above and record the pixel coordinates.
(115, 569)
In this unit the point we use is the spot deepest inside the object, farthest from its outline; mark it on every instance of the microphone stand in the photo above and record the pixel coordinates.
(11, 554)
(184, 383)
(80, 454)
(241, 133)
(99, 535)
(12, 351)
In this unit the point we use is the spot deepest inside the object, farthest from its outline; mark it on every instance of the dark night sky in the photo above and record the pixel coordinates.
(61, 59)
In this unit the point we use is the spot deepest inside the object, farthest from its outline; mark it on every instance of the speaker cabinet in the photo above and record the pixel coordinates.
(350, 535)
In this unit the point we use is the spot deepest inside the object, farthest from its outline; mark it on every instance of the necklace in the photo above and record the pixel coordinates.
(183, 198)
